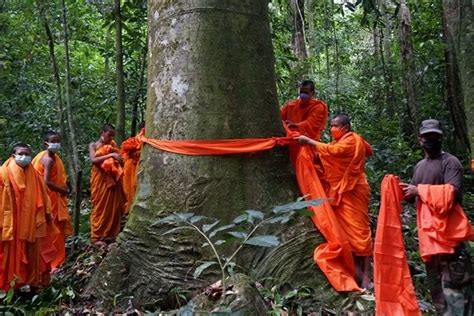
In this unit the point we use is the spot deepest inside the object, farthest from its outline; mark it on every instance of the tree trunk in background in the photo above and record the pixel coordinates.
(70, 115)
(410, 123)
(386, 58)
(309, 8)
(210, 76)
(138, 93)
(59, 95)
(458, 31)
(298, 40)
(120, 123)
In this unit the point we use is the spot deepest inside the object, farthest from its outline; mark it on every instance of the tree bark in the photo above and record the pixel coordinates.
(298, 36)
(69, 111)
(410, 125)
(210, 76)
(120, 124)
(458, 34)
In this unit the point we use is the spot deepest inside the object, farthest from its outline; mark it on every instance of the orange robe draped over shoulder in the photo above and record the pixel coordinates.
(26, 247)
(311, 118)
(442, 223)
(130, 152)
(107, 196)
(394, 291)
(344, 169)
(59, 207)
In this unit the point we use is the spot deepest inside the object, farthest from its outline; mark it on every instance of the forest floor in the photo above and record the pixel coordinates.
(65, 293)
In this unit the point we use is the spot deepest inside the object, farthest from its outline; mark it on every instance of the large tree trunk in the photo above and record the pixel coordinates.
(210, 76)
(410, 123)
(120, 125)
(458, 31)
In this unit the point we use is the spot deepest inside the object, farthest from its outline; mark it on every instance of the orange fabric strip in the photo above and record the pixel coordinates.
(216, 147)
(394, 291)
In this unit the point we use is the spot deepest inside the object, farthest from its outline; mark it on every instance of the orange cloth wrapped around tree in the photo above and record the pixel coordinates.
(130, 152)
(59, 207)
(26, 247)
(107, 196)
(442, 223)
(344, 169)
(394, 291)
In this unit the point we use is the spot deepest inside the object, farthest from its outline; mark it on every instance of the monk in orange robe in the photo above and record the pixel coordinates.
(131, 156)
(26, 247)
(343, 161)
(306, 114)
(50, 166)
(107, 196)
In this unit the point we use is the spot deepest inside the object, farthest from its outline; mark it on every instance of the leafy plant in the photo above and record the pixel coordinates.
(211, 231)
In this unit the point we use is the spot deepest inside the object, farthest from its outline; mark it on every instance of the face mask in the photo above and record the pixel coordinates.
(432, 146)
(22, 160)
(54, 147)
(304, 96)
(336, 132)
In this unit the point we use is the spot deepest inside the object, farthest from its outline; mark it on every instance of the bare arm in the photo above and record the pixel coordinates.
(48, 164)
(98, 160)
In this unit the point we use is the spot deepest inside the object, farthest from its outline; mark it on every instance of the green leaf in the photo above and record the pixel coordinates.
(173, 218)
(202, 267)
(279, 219)
(263, 241)
(208, 227)
(175, 229)
(196, 218)
(297, 205)
(237, 234)
(219, 229)
(254, 214)
(219, 242)
(239, 219)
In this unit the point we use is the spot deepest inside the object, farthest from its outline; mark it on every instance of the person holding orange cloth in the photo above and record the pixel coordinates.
(443, 227)
(343, 161)
(50, 166)
(107, 196)
(306, 114)
(26, 247)
(130, 152)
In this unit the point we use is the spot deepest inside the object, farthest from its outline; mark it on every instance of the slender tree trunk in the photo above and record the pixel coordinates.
(59, 95)
(298, 36)
(386, 58)
(138, 92)
(309, 9)
(120, 125)
(458, 31)
(67, 85)
(199, 88)
(410, 125)
(336, 53)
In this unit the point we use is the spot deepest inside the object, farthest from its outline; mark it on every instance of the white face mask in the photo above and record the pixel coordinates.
(22, 160)
(54, 147)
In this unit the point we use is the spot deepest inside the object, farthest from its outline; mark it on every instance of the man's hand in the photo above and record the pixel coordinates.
(305, 140)
(409, 190)
(117, 157)
(291, 125)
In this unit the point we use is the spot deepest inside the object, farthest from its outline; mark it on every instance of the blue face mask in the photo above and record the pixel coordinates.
(304, 96)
